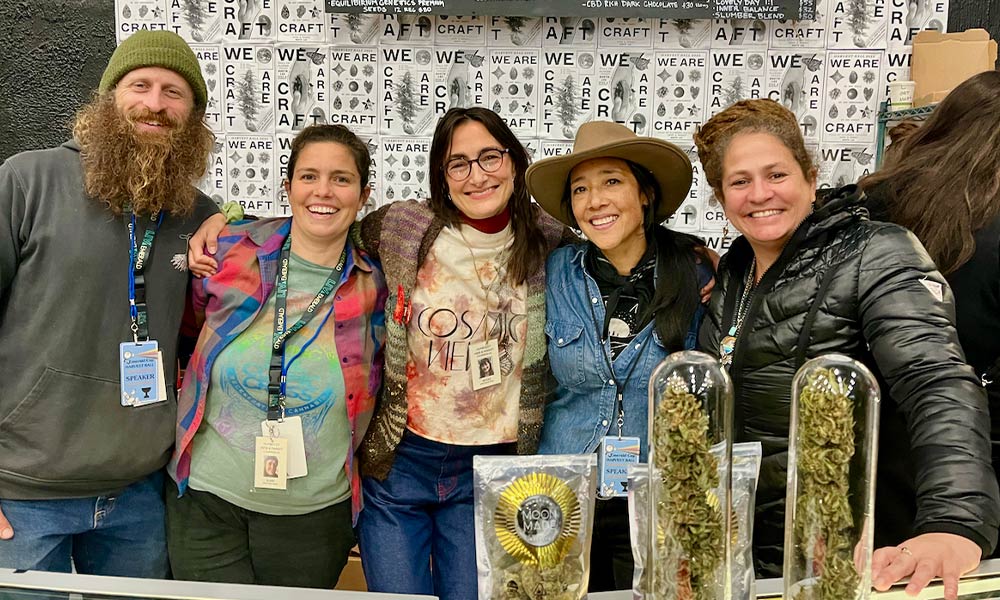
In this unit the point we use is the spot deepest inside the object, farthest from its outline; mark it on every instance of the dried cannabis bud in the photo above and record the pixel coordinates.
(527, 582)
(823, 519)
(688, 507)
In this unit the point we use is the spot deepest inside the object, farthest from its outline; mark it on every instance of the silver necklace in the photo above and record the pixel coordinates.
(728, 343)
(497, 281)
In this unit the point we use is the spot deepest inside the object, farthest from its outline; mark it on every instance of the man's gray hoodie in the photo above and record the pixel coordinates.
(64, 262)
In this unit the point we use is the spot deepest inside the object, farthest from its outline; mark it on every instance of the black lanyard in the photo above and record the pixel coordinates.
(278, 371)
(138, 258)
(619, 385)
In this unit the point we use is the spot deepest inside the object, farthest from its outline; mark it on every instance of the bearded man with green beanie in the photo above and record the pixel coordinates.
(93, 280)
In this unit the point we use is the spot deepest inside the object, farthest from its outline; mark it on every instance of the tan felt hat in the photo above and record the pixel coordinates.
(669, 165)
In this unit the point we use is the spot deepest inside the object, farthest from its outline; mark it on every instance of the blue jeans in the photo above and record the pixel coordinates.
(119, 534)
(422, 514)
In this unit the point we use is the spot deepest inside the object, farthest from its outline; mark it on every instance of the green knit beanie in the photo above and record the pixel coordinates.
(156, 49)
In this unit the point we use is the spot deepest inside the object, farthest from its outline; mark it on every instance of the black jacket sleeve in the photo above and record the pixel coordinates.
(907, 316)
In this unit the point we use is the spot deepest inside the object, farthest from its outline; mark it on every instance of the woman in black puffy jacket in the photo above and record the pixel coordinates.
(808, 278)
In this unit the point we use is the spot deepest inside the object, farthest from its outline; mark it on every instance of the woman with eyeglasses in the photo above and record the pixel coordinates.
(466, 273)
(465, 369)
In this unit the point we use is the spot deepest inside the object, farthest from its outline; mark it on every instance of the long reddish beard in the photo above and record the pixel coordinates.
(150, 172)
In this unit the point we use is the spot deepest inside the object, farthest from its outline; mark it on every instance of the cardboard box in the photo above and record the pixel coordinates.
(352, 577)
(941, 61)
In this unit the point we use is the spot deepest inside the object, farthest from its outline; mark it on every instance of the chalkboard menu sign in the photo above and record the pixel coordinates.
(769, 10)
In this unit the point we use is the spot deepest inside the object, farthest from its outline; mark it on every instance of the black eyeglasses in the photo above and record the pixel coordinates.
(489, 160)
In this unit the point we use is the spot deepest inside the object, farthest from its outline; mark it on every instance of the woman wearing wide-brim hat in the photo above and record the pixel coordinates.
(616, 188)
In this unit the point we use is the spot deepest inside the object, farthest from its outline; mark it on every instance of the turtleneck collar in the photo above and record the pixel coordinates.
(494, 224)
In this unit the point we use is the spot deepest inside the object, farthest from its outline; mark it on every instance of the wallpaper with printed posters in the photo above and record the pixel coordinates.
(273, 67)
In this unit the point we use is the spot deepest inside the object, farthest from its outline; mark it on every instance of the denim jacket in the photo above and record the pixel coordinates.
(583, 409)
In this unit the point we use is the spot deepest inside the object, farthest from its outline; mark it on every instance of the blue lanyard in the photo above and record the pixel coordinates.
(138, 258)
(278, 371)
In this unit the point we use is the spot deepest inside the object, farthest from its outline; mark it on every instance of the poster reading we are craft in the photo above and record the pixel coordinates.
(273, 67)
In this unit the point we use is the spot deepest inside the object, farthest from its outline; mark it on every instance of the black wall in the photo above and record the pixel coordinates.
(52, 54)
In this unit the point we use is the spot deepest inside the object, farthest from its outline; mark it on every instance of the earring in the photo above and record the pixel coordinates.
(725, 231)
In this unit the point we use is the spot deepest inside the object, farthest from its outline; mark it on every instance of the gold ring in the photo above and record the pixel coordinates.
(905, 550)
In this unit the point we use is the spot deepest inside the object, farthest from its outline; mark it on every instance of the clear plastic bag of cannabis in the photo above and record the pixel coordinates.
(746, 469)
(690, 421)
(534, 520)
(638, 525)
(831, 480)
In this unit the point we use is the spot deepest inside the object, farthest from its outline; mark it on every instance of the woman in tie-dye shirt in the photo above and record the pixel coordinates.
(247, 508)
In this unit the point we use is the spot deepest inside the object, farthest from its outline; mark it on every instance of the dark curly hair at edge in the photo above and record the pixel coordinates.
(749, 116)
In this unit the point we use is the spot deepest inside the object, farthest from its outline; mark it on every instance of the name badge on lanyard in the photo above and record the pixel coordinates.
(270, 470)
(613, 458)
(485, 366)
(289, 429)
(280, 452)
(140, 361)
(616, 452)
(141, 371)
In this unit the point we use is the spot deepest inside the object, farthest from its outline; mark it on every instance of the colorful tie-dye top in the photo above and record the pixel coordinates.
(453, 309)
(237, 404)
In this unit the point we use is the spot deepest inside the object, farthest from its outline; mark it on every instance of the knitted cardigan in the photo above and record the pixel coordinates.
(400, 235)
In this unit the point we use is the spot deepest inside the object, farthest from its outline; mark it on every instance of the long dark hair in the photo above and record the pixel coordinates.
(943, 179)
(677, 291)
(528, 250)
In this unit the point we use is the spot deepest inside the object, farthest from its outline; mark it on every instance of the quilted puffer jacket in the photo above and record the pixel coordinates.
(869, 290)
(976, 285)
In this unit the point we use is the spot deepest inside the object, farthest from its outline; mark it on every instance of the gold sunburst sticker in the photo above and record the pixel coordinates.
(537, 519)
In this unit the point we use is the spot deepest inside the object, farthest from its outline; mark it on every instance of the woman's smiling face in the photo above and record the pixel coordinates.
(608, 205)
(325, 191)
(482, 194)
(765, 193)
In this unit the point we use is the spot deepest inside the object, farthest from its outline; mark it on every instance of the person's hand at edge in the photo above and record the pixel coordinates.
(714, 258)
(203, 244)
(6, 531)
(923, 558)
